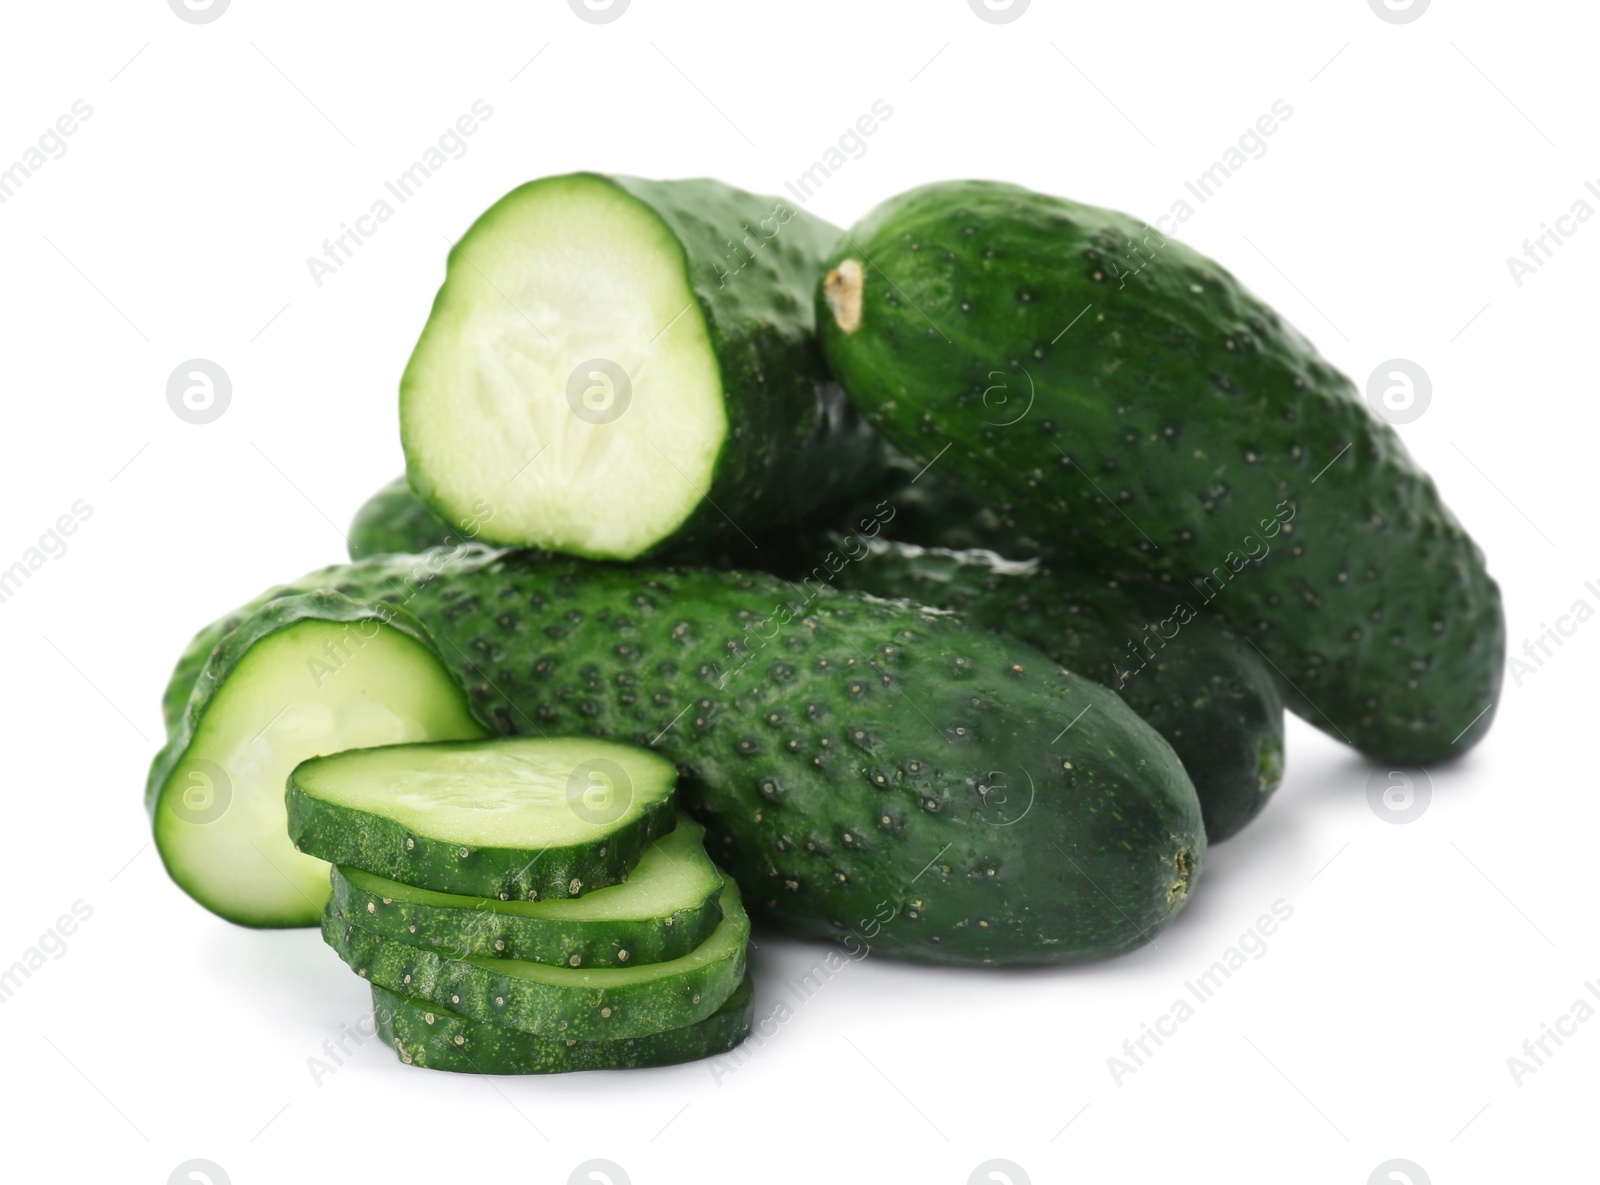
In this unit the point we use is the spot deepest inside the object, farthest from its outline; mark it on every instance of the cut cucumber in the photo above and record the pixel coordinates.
(516, 819)
(835, 748)
(603, 370)
(603, 1003)
(667, 907)
(426, 1035)
(305, 675)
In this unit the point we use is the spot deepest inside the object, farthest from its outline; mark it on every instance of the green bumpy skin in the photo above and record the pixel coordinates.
(794, 442)
(394, 521)
(426, 1035)
(1179, 431)
(542, 931)
(583, 1004)
(384, 846)
(851, 758)
(1196, 684)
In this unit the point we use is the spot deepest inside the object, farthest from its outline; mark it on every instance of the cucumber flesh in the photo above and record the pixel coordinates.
(571, 382)
(523, 818)
(581, 1003)
(666, 908)
(426, 1035)
(310, 687)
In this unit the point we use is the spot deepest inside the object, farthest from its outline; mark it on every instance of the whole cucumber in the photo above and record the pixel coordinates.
(1128, 402)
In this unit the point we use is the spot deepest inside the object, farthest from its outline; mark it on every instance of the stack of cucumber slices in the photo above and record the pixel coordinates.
(525, 906)
(946, 578)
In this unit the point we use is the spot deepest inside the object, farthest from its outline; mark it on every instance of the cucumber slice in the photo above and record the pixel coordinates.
(424, 1034)
(305, 675)
(601, 371)
(517, 819)
(600, 1004)
(667, 907)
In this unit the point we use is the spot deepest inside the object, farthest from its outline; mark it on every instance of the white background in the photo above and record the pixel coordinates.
(177, 225)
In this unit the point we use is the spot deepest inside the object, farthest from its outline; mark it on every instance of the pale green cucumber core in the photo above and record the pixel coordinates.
(565, 393)
(316, 687)
(528, 792)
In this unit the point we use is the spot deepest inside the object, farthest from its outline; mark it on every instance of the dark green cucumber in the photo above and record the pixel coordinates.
(426, 1035)
(522, 820)
(1189, 677)
(1127, 401)
(302, 675)
(606, 373)
(584, 1003)
(849, 756)
(394, 521)
(667, 908)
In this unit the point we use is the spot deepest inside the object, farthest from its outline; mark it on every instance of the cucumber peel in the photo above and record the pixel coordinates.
(665, 909)
(581, 1003)
(434, 1038)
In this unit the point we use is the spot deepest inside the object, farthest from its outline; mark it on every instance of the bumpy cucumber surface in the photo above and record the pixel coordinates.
(1180, 430)
(394, 521)
(849, 756)
(1190, 678)
(583, 1003)
(423, 1034)
(614, 365)
(666, 908)
(514, 819)
(304, 675)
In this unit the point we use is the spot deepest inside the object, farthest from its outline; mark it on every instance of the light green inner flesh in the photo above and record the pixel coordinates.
(316, 687)
(730, 935)
(674, 874)
(528, 793)
(559, 273)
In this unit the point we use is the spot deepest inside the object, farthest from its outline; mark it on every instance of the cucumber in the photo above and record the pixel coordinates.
(522, 819)
(666, 908)
(604, 373)
(394, 521)
(1191, 679)
(850, 757)
(302, 675)
(426, 1035)
(605, 1003)
(1128, 402)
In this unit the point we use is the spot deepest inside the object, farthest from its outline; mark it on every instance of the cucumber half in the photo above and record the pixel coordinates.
(602, 374)
(584, 1004)
(666, 908)
(305, 675)
(426, 1035)
(521, 818)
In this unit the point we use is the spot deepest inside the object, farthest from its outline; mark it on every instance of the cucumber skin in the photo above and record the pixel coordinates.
(1112, 845)
(385, 847)
(1205, 419)
(499, 934)
(794, 442)
(1212, 699)
(394, 521)
(404, 1024)
(1210, 695)
(483, 994)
